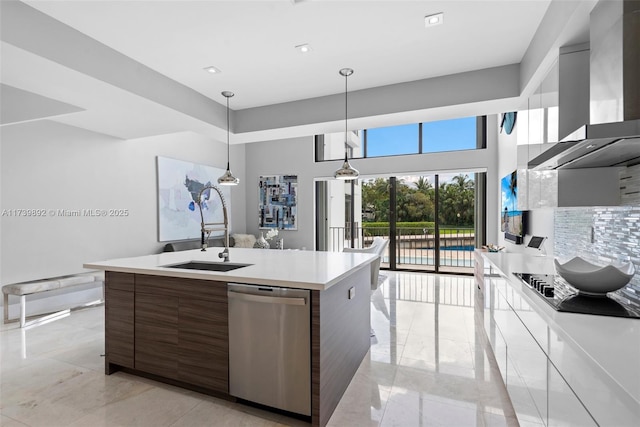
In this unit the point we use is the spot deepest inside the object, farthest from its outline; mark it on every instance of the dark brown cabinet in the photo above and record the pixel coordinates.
(119, 320)
(156, 334)
(203, 335)
(181, 330)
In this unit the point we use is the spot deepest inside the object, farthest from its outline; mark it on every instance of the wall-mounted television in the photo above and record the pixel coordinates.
(513, 221)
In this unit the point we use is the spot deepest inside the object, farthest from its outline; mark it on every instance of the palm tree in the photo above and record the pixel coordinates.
(463, 182)
(423, 185)
(513, 188)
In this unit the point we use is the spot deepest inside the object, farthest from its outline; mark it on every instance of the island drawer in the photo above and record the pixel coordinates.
(119, 281)
(179, 287)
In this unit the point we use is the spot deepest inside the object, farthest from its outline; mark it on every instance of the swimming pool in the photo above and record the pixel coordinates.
(463, 248)
(467, 248)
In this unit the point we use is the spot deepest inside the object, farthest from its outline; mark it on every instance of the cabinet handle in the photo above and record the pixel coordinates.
(267, 299)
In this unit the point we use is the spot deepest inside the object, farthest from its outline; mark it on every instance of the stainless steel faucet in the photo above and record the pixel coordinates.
(206, 227)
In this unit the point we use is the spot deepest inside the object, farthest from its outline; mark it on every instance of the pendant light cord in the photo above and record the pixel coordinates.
(346, 149)
(227, 178)
(228, 133)
(346, 172)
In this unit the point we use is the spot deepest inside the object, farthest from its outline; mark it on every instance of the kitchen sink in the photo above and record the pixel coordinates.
(209, 266)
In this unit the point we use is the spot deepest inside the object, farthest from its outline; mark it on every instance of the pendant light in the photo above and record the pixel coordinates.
(346, 172)
(228, 178)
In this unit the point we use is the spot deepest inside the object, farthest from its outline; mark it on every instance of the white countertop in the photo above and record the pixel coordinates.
(294, 269)
(611, 343)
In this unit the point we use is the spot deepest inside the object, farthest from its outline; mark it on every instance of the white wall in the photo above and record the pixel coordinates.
(48, 165)
(285, 157)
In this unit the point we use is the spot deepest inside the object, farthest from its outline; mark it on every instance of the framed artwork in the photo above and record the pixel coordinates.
(278, 202)
(179, 183)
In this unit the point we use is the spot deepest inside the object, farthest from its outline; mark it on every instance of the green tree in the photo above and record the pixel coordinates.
(457, 201)
(419, 207)
(375, 196)
(416, 203)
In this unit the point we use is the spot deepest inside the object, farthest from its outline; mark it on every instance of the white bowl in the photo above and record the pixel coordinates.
(591, 279)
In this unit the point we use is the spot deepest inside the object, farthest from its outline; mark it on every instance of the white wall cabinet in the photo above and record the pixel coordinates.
(559, 106)
(568, 188)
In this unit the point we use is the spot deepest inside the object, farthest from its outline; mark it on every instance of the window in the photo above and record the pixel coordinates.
(393, 140)
(331, 146)
(449, 135)
(467, 133)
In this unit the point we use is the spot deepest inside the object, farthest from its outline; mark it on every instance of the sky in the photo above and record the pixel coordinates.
(445, 135)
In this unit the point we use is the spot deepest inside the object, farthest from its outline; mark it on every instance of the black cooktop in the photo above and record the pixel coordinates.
(564, 297)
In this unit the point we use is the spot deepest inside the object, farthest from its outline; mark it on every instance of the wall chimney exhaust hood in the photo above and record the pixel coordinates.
(613, 137)
(594, 146)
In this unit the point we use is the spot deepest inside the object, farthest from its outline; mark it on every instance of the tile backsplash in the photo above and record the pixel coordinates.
(602, 235)
(605, 235)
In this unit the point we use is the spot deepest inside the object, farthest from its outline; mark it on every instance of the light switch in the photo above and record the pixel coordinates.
(352, 292)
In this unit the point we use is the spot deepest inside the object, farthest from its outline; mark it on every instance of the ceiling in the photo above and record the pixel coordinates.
(135, 68)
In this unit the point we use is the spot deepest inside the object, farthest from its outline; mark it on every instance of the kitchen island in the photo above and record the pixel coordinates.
(559, 368)
(171, 324)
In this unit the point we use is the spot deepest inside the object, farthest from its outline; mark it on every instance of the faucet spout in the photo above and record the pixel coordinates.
(206, 228)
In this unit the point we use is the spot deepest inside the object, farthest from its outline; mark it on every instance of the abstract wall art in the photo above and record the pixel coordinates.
(179, 183)
(278, 202)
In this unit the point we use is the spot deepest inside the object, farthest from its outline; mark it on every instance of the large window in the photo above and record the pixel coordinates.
(467, 133)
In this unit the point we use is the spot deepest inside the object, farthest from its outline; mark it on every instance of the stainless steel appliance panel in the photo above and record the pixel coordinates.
(270, 346)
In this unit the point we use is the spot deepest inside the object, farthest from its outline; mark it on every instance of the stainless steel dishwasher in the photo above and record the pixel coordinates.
(270, 346)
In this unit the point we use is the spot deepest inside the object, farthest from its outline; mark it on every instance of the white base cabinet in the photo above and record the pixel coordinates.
(539, 393)
(564, 407)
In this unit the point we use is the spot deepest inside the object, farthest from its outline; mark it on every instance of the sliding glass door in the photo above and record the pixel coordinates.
(429, 219)
(456, 222)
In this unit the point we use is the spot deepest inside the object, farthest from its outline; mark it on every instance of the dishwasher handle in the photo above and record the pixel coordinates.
(266, 298)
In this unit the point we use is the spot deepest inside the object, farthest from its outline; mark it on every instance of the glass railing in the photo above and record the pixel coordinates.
(416, 246)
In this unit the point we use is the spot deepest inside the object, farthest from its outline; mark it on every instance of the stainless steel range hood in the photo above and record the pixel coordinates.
(613, 137)
(594, 146)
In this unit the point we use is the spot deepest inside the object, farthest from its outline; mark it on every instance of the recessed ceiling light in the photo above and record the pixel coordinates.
(303, 48)
(212, 70)
(435, 19)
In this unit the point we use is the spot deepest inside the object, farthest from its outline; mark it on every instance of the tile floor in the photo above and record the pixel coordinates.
(429, 365)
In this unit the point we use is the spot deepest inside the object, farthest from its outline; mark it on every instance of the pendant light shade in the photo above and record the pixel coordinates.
(227, 178)
(346, 172)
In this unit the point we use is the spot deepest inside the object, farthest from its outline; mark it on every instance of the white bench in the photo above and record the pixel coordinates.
(37, 286)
